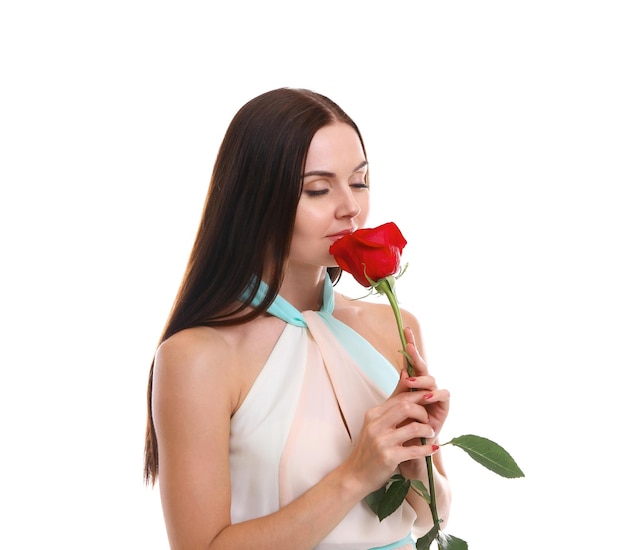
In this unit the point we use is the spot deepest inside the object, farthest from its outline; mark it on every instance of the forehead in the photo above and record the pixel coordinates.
(335, 145)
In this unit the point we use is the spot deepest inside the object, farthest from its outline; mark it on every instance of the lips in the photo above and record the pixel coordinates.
(337, 236)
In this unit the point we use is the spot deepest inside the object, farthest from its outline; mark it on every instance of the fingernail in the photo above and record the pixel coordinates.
(428, 396)
(435, 448)
(413, 379)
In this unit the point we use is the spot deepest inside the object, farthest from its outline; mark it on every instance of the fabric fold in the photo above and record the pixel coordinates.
(297, 423)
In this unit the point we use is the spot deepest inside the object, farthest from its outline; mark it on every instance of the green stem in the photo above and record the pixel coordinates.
(385, 287)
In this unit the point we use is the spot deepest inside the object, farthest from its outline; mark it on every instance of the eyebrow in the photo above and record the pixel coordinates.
(332, 174)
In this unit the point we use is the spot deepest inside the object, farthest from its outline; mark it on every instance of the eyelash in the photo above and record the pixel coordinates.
(321, 192)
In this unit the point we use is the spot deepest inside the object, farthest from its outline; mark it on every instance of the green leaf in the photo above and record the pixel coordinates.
(420, 489)
(489, 454)
(374, 498)
(423, 543)
(393, 498)
(396, 477)
(448, 542)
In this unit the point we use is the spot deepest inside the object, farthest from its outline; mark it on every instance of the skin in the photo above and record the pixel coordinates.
(202, 376)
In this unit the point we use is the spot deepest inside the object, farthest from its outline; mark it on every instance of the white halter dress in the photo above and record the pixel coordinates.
(299, 419)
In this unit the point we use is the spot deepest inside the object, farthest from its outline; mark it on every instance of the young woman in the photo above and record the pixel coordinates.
(275, 405)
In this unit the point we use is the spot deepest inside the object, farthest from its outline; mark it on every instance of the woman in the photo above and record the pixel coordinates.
(263, 427)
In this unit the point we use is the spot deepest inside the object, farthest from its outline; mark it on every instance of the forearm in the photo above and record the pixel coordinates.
(300, 525)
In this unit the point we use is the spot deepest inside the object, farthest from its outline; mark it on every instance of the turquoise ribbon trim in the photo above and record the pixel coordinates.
(397, 544)
(371, 362)
(282, 309)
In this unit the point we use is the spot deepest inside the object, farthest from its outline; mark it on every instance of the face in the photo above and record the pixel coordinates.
(335, 195)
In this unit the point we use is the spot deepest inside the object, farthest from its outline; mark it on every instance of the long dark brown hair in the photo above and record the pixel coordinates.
(248, 218)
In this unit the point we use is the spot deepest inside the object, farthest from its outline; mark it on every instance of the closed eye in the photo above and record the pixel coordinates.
(316, 192)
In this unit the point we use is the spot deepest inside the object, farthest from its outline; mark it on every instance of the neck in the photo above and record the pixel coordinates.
(304, 288)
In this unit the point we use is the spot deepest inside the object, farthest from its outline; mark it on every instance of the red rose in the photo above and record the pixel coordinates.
(370, 254)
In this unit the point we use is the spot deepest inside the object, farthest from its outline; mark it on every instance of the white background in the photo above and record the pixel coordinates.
(496, 138)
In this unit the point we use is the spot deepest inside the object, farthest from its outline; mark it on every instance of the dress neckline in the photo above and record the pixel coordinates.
(282, 309)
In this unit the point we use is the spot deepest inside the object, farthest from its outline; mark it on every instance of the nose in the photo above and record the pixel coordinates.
(348, 206)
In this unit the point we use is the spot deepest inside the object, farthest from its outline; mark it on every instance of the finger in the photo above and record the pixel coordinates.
(413, 431)
(413, 383)
(412, 452)
(420, 383)
(436, 396)
(401, 386)
(415, 359)
(406, 433)
(404, 407)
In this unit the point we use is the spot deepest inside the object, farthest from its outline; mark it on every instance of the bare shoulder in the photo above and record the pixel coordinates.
(376, 322)
(191, 347)
(189, 362)
(217, 362)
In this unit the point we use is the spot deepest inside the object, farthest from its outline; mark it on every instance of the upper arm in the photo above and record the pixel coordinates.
(192, 405)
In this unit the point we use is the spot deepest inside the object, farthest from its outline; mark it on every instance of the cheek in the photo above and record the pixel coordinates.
(306, 221)
(308, 226)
